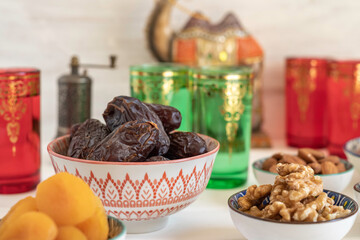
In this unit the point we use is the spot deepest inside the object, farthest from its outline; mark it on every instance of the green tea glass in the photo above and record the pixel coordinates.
(222, 110)
(166, 84)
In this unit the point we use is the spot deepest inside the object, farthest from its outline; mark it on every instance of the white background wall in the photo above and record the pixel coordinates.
(45, 33)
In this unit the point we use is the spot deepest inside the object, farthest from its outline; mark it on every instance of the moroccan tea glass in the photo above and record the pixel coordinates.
(306, 98)
(222, 110)
(343, 104)
(166, 84)
(19, 129)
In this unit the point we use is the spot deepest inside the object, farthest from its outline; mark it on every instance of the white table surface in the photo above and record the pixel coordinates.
(207, 218)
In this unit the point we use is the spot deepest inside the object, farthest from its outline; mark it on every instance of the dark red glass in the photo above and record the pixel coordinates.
(19, 130)
(306, 124)
(343, 104)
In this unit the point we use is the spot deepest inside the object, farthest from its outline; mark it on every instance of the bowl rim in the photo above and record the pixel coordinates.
(52, 153)
(322, 175)
(296, 223)
(123, 232)
(347, 150)
(357, 187)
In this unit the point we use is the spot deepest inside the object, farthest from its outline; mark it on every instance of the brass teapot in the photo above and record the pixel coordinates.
(201, 43)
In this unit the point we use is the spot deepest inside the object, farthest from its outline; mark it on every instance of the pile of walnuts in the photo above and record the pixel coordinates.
(297, 195)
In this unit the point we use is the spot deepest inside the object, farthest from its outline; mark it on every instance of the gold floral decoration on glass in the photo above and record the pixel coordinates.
(233, 107)
(12, 108)
(304, 85)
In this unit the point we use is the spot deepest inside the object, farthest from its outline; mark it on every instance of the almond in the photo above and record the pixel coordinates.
(333, 159)
(341, 167)
(306, 155)
(268, 163)
(316, 154)
(328, 167)
(273, 169)
(278, 156)
(316, 167)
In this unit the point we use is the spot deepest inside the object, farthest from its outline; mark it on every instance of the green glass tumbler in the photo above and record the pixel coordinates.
(164, 83)
(222, 109)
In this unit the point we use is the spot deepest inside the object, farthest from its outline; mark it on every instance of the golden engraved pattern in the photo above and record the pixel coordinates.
(355, 105)
(233, 109)
(158, 91)
(12, 106)
(351, 90)
(12, 109)
(304, 85)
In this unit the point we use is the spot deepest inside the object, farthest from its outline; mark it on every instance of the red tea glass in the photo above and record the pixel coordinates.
(19, 129)
(343, 104)
(306, 96)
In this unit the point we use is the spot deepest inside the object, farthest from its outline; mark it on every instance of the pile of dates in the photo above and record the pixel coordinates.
(134, 132)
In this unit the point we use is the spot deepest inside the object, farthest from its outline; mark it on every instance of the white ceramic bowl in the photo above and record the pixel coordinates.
(255, 228)
(335, 182)
(141, 194)
(352, 152)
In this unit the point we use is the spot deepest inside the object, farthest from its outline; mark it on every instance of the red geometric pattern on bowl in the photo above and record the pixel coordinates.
(139, 191)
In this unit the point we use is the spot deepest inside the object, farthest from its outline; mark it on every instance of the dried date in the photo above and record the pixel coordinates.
(185, 144)
(85, 137)
(157, 159)
(130, 142)
(169, 116)
(123, 109)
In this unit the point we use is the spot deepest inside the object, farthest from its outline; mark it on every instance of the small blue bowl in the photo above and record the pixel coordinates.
(258, 228)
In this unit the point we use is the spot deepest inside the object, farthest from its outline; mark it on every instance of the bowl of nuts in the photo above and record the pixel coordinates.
(295, 207)
(142, 170)
(335, 172)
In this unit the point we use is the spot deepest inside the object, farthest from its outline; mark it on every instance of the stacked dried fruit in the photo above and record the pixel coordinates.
(317, 160)
(64, 208)
(297, 195)
(134, 132)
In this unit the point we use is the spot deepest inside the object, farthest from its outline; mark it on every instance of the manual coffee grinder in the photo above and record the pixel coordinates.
(74, 97)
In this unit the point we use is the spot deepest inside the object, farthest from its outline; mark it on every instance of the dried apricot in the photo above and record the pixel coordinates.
(70, 232)
(66, 198)
(31, 226)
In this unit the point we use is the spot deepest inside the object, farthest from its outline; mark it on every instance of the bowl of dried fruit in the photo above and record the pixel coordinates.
(295, 207)
(141, 169)
(352, 152)
(335, 172)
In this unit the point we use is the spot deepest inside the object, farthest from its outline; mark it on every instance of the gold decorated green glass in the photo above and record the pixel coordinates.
(222, 110)
(166, 84)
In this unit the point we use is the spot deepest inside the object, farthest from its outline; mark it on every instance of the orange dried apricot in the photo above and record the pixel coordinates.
(70, 232)
(31, 225)
(24, 205)
(66, 198)
(96, 227)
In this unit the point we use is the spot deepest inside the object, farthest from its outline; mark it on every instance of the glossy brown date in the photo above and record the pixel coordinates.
(86, 136)
(157, 159)
(169, 116)
(185, 144)
(123, 109)
(130, 142)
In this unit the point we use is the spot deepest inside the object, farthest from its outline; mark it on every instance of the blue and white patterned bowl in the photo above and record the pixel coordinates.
(352, 152)
(335, 182)
(257, 228)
